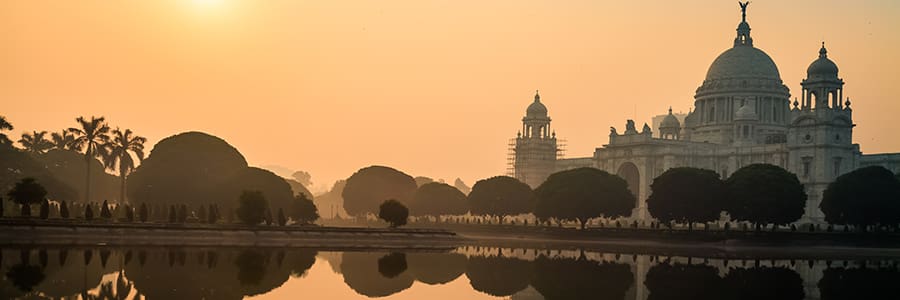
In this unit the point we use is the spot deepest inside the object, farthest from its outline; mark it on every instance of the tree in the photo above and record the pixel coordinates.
(201, 213)
(129, 213)
(173, 215)
(35, 143)
(499, 276)
(62, 140)
(370, 186)
(500, 196)
(865, 196)
(268, 218)
(45, 209)
(686, 195)
(91, 139)
(64, 210)
(123, 149)
(282, 220)
(27, 191)
(182, 213)
(303, 210)
(393, 212)
(581, 278)
(303, 178)
(88, 212)
(435, 199)
(582, 194)
(765, 194)
(143, 213)
(4, 125)
(104, 210)
(252, 207)
(392, 265)
(213, 214)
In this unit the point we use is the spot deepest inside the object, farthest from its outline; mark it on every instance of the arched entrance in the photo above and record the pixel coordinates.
(629, 172)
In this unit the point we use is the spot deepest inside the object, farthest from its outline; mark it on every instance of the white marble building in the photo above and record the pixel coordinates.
(742, 115)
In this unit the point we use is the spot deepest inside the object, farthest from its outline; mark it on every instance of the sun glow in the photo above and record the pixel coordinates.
(209, 6)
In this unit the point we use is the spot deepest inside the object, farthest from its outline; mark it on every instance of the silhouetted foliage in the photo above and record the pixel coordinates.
(282, 220)
(90, 138)
(251, 267)
(143, 213)
(173, 215)
(27, 191)
(303, 210)
(64, 210)
(500, 196)
(865, 196)
(303, 178)
(765, 194)
(213, 214)
(436, 268)
(582, 194)
(268, 217)
(129, 213)
(277, 191)
(104, 210)
(687, 195)
(25, 277)
(680, 281)
(35, 143)
(764, 283)
(182, 213)
(559, 279)
(393, 212)
(88, 212)
(201, 213)
(252, 207)
(392, 265)
(45, 209)
(435, 199)
(862, 283)
(4, 125)
(301, 260)
(120, 158)
(369, 187)
(16, 165)
(499, 276)
(360, 271)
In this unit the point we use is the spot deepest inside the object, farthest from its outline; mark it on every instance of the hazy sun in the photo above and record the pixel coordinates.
(207, 3)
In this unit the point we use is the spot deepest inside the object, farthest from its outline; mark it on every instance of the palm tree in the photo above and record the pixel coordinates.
(91, 138)
(62, 140)
(4, 125)
(123, 144)
(35, 143)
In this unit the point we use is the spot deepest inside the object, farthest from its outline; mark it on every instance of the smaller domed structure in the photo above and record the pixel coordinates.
(670, 127)
(536, 109)
(822, 67)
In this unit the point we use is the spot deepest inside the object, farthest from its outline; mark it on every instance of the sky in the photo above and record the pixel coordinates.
(433, 88)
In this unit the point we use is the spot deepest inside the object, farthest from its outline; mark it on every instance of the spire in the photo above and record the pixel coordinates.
(823, 53)
(743, 31)
(670, 110)
(537, 96)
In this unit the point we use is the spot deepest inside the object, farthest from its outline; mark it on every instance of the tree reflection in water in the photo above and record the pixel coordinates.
(559, 279)
(681, 281)
(392, 265)
(499, 276)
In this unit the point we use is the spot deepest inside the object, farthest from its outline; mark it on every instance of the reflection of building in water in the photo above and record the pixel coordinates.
(742, 114)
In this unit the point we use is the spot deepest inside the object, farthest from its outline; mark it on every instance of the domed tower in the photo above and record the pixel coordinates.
(742, 75)
(744, 120)
(535, 147)
(821, 132)
(670, 127)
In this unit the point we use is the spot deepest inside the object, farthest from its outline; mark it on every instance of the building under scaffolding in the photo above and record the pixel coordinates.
(533, 153)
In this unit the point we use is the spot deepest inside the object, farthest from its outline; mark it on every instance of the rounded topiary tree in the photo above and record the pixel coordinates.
(686, 195)
(252, 207)
(500, 196)
(435, 199)
(370, 186)
(765, 194)
(866, 196)
(27, 192)
(582, 194)
(303, 210)
(393, 212)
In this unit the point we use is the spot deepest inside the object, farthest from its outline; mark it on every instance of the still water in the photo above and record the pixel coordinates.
(460, 273)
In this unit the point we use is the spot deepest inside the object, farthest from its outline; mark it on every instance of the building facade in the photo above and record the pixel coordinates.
(742, 115)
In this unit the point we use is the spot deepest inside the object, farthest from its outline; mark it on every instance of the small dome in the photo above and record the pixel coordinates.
(822, 67)
(536, 109)
(670, 121)
(690, 120)
(745, 113)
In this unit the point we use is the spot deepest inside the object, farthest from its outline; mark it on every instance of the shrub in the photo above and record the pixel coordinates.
(393, 212)
(104, 211)
(64, 210)
(88, 212)
(143, 213)
(252, 207)
(45, 209)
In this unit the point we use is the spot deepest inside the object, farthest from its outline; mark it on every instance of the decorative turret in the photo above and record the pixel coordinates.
(822, 87)
(670, 127)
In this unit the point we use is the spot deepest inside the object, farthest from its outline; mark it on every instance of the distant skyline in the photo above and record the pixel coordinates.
(433, 88)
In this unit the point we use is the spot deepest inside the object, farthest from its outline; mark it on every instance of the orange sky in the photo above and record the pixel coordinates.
(434, 88)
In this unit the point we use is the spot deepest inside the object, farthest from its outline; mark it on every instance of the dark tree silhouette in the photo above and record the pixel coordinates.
(865, 196)
(393, 212)
(91, 138)
(182, 213)
(35, 143)
(500, 196)
(499, 276)
(300, 261)
(582, 194)
(369, 187)
(252, 207)
(64, 210)
(392, 265)
(765, 194)
(282, 220)
(436, 268)
(559, 279)
(27, 191)
(62, 140)
(251, 267)
(268, 217)
(686, 195)
(360, 271)
(435, 199)
(129, 213)
(123, 149)
(143, 214)
(861, 283)
(4, 125)
(764, 283)
(303, 210)
(680, 281)
(201, 213)
(25, 277)
(45, 209)
(104, 210)
(278, 192)
(213, 214)
(173, 215)
(88, 212)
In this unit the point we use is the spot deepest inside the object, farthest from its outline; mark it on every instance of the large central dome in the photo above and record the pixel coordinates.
(743, 61)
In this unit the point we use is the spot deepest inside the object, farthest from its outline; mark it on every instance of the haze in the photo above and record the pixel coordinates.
(433, 88)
